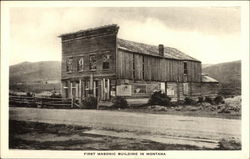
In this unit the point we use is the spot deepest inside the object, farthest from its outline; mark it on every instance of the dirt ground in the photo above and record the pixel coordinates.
(119, 130)
(184, 112)
(41, 136)
(230, 109)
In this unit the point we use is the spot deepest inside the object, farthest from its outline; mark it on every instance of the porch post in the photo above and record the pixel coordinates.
(71, 94)
(101, 89)
(91, 83)
(94, 88)
(108, 85)
(104, 89)
(80, 90)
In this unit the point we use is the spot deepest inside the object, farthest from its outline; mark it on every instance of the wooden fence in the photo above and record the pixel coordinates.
(42, 102)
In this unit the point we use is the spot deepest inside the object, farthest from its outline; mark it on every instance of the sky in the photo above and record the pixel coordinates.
(210, 34)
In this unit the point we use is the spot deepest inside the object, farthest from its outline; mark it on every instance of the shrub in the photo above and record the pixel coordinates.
(200, 99)
(229, 144)
(234, 103)
(189, 101)
(54, 95)
(219, 100)
(159, 98)
(119, 102)
(208, 100)
(224, 109)
(29, 94)
(89, 103)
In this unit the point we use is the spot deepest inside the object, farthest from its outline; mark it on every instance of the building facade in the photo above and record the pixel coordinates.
(95, 62)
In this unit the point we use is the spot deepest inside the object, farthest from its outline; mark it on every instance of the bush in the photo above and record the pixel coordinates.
(189, 101)
(208, 100)
(224, 109)
(229, 144)
(119, 102)
(234, 103)
(29, 94)
(219, 100)
(54, 95)
(200, 99)
(89, 103)
(159, 98)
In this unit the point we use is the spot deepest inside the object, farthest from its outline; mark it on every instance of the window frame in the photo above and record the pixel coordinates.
(68, 68)
(185, 68)
(107, 62)
(133, 71)
(78, 64)
(143, 67)
(92, 69)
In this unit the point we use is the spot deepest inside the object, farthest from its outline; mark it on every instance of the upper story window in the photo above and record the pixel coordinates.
(133, 71)
(92, 62)
(80, 65)
(69, 64)
(185, 68)
(143, 68)
(106, 61)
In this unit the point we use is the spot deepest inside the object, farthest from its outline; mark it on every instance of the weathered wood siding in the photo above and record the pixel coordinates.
(84, 47)
(195, 89)
(209, 89)
(155, 68)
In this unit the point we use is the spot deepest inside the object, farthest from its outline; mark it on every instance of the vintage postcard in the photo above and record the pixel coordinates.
(125, 79)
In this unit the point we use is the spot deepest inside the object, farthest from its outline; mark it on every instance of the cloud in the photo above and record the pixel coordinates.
(207, 48)
(203, 33)
(211, 20)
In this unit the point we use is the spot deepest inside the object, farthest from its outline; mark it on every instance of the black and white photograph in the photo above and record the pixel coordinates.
(132, 80)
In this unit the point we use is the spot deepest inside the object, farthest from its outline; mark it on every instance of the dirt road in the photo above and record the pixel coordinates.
(199, 131)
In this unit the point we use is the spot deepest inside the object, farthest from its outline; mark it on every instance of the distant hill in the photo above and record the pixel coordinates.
(35, 71)
(206, 65)
(35, 76)
(228, 74)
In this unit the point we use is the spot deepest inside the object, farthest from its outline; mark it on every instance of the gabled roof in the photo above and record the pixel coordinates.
(147, 49)
(207, 79)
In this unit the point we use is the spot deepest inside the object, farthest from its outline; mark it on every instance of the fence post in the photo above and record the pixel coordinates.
(72, 102)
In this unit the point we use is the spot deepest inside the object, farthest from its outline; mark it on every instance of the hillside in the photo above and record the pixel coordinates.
(206, 65)
(228, 74)
(35, 76)
(35, 72)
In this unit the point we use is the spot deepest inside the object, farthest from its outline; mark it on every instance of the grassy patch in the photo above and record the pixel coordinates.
(181, 110)
(74, 138)
(229, 144)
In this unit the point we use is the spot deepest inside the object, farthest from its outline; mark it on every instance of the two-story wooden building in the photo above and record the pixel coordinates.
(96, 62)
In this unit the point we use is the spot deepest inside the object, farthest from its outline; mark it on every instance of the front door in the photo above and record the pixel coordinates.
(99, 88)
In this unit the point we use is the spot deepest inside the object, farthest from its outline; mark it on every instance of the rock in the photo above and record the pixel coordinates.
(192, 108)
(159, 108)
(205, 104)
(224, 110)
(213, 108)
(178, 109)
(229, 144)
(195, 109)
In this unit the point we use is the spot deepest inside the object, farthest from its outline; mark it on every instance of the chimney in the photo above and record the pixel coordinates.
(161, 49)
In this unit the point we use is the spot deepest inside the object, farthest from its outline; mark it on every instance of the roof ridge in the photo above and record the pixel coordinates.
(148, 44)
(176, 55)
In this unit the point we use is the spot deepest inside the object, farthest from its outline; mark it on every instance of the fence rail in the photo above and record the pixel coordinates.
(42, 102)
